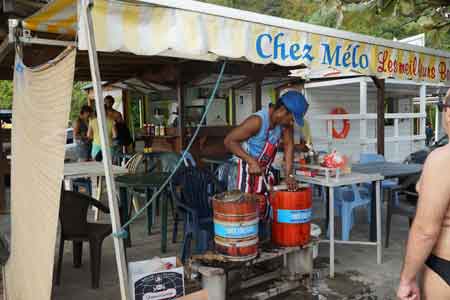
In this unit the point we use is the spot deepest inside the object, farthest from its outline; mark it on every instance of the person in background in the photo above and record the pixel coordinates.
(94, 136)
(158, 117)
(428, 247)
(429, 134)
(111, 113)
(173, 117)
(80, 133)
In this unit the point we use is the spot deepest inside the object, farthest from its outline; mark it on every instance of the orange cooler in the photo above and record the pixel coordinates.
(292, 217)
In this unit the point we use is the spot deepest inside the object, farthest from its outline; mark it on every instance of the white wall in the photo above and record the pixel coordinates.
(323, 99)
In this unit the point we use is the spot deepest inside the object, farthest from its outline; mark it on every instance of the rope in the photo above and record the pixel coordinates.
(123, 233)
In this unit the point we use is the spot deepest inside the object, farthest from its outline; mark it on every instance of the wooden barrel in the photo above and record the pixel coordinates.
(236, 225)
(292, 217)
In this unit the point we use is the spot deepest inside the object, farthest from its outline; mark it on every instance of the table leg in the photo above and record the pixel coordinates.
(149, 194)
(3, 208)
(154, 209)
(331, 228)
(373, 214)
(99, 197)
(123, 211)
(327, 214)
(378, 203)
(163, 214)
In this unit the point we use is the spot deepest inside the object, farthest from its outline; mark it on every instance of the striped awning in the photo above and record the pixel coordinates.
(60, 16)
(197, 30)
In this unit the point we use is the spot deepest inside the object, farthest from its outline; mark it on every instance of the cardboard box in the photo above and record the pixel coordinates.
(148, 284)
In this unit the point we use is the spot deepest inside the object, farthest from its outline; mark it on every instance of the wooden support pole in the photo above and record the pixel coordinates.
(257, 95)
(233, 107)
(380, 116)
(181, 114)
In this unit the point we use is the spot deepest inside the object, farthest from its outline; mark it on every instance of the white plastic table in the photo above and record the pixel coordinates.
(353, 178)
(89, 169)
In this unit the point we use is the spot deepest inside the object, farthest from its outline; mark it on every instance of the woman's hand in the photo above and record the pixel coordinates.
(254, 168)
(291, 183)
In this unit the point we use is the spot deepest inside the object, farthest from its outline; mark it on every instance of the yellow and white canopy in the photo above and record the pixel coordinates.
(190, 29)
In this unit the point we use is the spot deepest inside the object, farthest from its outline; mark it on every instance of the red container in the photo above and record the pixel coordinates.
(292, 217)
(236, 225)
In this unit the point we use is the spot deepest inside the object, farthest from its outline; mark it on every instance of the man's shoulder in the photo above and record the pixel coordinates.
(439, 158)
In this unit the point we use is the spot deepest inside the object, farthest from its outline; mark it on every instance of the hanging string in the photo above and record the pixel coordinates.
(123, 233)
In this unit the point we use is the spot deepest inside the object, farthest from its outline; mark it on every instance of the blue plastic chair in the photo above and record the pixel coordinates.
(347, 199)
(194, 205)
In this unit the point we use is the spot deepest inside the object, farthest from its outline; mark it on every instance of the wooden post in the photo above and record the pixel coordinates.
(126, 110)
(181, 125)
(233, 107)
(380, 116)
(257, 95)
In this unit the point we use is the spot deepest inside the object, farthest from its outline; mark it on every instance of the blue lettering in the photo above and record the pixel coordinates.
(259, 49)
(306, 52)
(364, 61)
(293, 51)
(281, 46)
(354, 62)
(328, 58)
(346, 57)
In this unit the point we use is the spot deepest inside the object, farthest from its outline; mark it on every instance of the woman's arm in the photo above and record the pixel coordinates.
(90, 133)
(288, 143)
(243, 132)
(76, 130)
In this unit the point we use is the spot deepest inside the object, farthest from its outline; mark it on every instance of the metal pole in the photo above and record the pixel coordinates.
(331, 228)
(378, 212)
(110, 185)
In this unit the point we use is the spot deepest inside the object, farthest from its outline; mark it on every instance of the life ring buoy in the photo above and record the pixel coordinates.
(346, 122)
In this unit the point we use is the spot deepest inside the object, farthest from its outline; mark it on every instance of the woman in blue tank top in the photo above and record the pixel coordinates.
(255, 142)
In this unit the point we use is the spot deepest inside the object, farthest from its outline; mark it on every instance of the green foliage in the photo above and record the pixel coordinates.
(6, 92)
(382, 18)
(79, 98)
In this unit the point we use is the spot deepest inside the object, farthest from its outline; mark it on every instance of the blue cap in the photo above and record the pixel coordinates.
(296, 104)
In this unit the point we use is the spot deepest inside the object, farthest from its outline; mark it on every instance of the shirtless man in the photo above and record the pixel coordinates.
(111, 113)
(429, 237)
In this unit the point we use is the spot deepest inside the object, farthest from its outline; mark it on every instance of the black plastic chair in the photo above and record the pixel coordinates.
(74, 227)
(192, 189)
(402, 202)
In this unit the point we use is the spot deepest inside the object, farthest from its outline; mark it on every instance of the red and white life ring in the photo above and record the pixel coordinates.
(346, 122)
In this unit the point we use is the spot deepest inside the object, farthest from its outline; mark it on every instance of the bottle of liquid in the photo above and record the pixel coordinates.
(152, 130)
(157, 130)
(162, 130)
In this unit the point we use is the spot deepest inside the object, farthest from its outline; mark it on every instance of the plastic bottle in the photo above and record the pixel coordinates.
(152, 130)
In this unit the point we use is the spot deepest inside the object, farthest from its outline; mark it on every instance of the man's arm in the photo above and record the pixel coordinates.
(288, 143)
(243, 132)
(434, 199)
(90, 133)
(76, 130)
